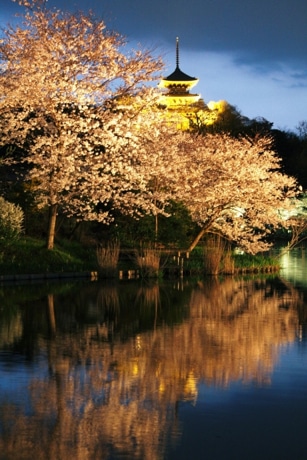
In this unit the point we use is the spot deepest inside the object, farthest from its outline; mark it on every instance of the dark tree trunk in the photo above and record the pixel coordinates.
(197, 239)
(51, 226)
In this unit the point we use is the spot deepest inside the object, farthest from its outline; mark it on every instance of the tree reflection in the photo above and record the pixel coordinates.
(111, 383)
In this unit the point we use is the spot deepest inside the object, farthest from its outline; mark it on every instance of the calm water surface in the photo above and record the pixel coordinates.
(210, 369)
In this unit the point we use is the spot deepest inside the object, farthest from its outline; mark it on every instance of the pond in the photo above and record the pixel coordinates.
(180, 369)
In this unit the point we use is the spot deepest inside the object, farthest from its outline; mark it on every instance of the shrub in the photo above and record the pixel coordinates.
(11, 221)
(107, 258)
(148, 262)
(216, 252)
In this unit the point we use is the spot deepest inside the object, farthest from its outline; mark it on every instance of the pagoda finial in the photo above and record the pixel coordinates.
(177, 52)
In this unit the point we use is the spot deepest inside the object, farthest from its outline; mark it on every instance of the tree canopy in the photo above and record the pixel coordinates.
(234, 187)
(65, 81)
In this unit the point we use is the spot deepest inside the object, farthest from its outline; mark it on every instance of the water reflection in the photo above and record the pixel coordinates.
(101, 368)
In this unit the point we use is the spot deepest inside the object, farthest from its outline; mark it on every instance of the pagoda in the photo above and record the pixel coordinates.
(178, 85)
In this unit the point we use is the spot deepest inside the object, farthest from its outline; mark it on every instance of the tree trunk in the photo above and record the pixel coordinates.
(197, 239)
(156, 228)
(51, 226)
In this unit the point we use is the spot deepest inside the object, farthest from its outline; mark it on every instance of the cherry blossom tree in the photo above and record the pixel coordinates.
(80, 107)
(234, 187)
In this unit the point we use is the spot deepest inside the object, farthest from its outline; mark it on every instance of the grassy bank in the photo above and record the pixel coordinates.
(232, 264)
(245, 263)
(30, 256)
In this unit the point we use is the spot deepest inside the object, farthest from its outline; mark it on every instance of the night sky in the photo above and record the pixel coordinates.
(251, 53)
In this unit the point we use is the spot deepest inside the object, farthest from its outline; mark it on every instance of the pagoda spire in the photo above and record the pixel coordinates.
(177, 52)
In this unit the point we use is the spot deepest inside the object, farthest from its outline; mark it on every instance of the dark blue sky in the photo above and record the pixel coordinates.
(253, 53)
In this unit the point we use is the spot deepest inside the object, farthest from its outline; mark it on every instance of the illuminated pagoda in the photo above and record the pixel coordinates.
(178, 85)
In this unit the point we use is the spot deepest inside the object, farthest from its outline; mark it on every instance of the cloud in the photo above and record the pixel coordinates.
(262, 29)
